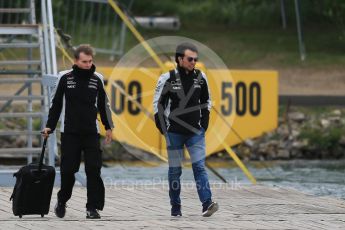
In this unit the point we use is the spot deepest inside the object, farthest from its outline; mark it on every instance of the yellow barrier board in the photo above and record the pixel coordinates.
(245, 102)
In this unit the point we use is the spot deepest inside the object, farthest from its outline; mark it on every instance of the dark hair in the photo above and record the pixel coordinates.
(83, 48)
(180, 49)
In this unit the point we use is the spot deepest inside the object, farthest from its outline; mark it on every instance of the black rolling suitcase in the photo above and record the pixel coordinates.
(33, 189)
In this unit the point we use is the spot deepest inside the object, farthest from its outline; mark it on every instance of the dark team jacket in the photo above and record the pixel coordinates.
(78, 96)
(182, 102)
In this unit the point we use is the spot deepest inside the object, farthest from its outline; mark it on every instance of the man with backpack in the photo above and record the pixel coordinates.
(182, 106)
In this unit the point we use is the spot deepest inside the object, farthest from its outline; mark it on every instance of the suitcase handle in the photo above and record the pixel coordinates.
(42, 153)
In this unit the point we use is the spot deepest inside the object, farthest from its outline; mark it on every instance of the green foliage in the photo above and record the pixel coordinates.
(239, 12)
(225, 12)
(259, 13)
(336, 13)
(244, 12)
(322, 139)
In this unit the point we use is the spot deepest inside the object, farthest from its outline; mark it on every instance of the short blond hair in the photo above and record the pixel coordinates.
(83, 48)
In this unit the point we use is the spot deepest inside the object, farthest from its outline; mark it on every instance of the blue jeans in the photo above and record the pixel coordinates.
(196, 147)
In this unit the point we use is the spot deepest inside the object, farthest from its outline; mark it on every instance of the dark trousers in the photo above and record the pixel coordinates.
(71, 147)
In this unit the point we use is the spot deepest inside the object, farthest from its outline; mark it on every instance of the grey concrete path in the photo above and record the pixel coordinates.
(141, 206)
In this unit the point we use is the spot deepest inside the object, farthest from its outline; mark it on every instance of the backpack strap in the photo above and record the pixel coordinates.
(172, 73)
(199, 74)
(175, 75)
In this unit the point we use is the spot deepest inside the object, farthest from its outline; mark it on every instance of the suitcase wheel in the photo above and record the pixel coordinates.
(42, 215)
(20, 216)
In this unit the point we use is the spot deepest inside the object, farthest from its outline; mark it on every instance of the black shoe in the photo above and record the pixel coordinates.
(209, 208)
(60, 209)
(176, 210)
(92, 213)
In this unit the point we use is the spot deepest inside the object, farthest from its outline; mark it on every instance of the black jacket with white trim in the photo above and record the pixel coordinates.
(78, 96)
(182, 102)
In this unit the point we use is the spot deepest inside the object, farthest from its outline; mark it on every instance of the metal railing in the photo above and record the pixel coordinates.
(27, 52)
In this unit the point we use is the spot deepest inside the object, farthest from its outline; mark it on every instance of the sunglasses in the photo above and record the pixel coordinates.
(190, 59)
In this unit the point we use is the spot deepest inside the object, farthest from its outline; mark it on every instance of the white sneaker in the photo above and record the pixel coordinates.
(212, 208)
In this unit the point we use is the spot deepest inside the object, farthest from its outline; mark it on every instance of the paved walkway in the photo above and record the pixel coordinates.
(138, 207)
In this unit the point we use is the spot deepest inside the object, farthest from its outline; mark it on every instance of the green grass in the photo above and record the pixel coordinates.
(239, 47)
(268, 47)
(316, 111)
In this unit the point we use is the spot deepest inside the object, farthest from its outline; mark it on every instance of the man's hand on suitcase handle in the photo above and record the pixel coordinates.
(45, 132)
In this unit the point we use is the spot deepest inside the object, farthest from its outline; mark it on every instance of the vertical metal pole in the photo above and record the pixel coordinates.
(66, 15)
(1, 15)
(122, 38)
(115, 42)
(52, 36)
(106, 24)
(89, 23)
(59, 17)
(124, 31)
(52, 151)
(283, 13)
(32, 20)
(299, 31)
(98, 25)
(82, 21)
(45, 58)
(32, 12)
(47, 55)
(9, 15)
(75, 6)
(52, 141)
(130, 4)
(29, 119)
(18, 19)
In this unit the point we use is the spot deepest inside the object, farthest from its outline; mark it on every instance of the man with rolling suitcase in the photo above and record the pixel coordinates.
(33, 189)
(78, 96)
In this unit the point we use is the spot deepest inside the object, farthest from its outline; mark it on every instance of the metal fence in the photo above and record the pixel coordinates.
(7, 16)
(93, 22)
(26, 51)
